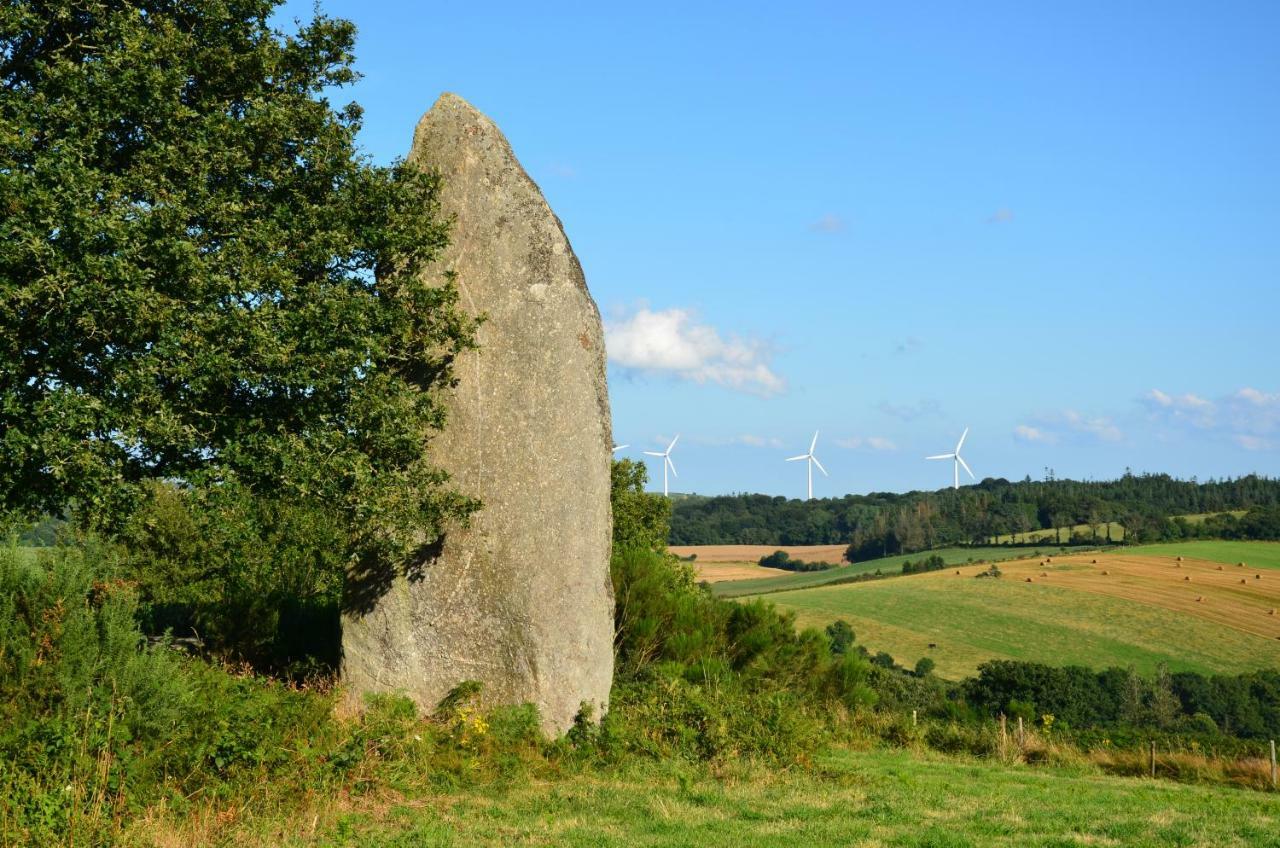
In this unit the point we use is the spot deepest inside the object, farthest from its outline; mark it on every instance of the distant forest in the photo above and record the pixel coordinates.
(883, 524)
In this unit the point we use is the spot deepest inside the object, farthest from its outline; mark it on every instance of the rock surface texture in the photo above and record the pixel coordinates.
(521, 601)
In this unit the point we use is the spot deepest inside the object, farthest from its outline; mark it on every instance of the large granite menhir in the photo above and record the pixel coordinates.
(520, 601)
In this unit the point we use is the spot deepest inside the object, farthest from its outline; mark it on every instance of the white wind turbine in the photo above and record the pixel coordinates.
(812, 461)
(958, 461)
(617, 448)
(666, 462)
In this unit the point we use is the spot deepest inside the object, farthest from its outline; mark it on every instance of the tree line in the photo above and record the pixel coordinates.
(884, 524)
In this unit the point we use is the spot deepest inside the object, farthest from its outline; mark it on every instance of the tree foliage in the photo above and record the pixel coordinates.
(884, 524)
(202, 280)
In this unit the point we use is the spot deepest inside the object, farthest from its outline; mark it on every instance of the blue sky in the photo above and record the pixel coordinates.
(1058, 226)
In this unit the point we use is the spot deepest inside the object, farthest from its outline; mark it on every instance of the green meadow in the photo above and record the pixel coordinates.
(848, 798)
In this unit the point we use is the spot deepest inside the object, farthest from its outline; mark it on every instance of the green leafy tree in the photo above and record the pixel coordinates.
(202, 280)
(640, 520)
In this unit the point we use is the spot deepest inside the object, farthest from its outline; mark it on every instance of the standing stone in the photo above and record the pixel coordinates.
(521, 601)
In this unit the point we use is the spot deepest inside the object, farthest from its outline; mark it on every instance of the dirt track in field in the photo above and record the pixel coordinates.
(1209, 590)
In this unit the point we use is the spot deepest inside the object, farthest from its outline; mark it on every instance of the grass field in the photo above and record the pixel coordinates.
(1050, 537)
(850, 798)
(802, 580)
(1147, 609)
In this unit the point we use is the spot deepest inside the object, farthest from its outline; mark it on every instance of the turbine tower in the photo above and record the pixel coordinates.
(666, 462)
(812, 461)
(958, 461)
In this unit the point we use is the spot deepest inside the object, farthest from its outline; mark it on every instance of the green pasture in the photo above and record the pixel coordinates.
(1254, 554)
(871, 798)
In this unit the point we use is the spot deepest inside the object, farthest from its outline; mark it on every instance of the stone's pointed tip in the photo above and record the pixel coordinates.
(448, 99)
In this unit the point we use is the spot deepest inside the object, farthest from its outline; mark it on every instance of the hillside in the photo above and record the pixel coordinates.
(871, 798)
(1135, 606)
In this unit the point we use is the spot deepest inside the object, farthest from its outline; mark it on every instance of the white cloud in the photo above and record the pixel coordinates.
(1253, 443)
(828, 224)
(1096, 426)
(1050, 428)
(1248, 416)
(1026, 433)
(671, 342)
(875, 443)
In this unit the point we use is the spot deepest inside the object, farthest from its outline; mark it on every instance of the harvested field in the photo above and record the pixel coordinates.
(751, 553)
(1126, 608)
(719, 572)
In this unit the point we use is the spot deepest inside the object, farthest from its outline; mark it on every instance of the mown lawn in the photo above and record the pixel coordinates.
(850, 798)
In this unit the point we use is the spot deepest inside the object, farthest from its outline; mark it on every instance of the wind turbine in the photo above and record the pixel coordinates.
(617, 448)
(666, 462)
(959, 461)
(812, 461)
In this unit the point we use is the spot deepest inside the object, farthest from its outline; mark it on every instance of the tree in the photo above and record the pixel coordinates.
(640, 520)
(841, 636)
(924, 667)
(202, 280)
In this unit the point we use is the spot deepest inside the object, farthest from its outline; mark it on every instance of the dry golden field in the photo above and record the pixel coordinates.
(752, 553)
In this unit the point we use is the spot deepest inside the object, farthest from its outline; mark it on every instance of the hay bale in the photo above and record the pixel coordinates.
(1044, 574)
(1257, 577)
(1200, 599)
(1179, 559)
(1095, 562)
(1105, 573)
(1243, 582)
(1219, 568)
(1187, 578)
(1271, 611)
(1241, 564)
(957, 571)
(1028, 579)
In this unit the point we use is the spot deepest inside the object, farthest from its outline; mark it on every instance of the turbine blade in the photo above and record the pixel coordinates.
(961, 442)
(673, 467)
(942, 456)
(797, 458)
(960, 459)
(814, 443)
(820, 468)
(673, 443)
(653, 453)
(617, 448)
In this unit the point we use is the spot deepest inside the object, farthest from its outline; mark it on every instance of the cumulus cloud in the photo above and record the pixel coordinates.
(828, 224)
(1027, 433)
(910, 411)
(875, 443)
(1248, 417)
(1068, 424)
(1188, 408)
(672, 342)
(1002, 215)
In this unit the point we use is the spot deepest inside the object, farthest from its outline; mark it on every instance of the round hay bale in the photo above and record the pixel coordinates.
(1271, 611)
(1243, 582)
(1028, 579)
(1106, 573)
(1219, 568)
(1044, 574)
(1241, 564)
(1200, 599)
(957, 571)
(1187, 578)
(1179, 559)
(1177, 565)
(1095, 562)
(1257, 577)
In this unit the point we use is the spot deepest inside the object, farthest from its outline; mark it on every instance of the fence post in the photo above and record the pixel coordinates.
(1273, 764)
(1153, 758)
(913, 718)
(1003, 732)
(1022, 736)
